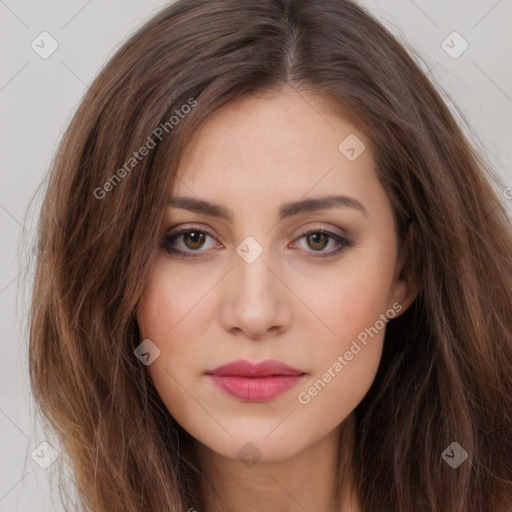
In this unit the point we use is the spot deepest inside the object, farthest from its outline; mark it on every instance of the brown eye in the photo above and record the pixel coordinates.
(317, 241)
(193, 239)
(186, 241)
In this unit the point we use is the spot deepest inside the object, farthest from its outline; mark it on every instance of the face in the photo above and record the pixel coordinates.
(257, 279)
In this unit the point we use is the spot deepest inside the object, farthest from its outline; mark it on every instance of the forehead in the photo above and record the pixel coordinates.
(284, 146)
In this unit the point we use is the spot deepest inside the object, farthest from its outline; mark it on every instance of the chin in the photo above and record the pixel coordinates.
(258, 449)
(266, 443)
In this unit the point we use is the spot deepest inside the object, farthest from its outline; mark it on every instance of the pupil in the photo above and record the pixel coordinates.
(316, 240)
(196, 244)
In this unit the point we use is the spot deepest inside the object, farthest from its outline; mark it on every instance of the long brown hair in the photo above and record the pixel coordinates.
(446, 369)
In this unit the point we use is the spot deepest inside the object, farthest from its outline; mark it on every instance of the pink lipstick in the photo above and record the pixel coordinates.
(255, 382)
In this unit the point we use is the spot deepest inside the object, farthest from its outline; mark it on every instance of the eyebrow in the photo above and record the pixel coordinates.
(286, 210)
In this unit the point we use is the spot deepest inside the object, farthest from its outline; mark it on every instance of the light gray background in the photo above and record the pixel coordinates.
(38, 97)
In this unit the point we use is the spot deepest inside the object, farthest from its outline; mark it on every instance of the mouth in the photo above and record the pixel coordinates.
(255, 382)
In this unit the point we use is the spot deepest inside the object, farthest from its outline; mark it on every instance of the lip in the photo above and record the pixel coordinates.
(255, 382)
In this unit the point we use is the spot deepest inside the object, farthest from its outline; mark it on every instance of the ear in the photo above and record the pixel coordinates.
(406, 284)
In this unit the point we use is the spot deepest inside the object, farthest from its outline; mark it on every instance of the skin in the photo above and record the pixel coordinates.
(250, 157)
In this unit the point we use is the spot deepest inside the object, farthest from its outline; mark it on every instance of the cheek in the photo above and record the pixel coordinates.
(354, 303)
(167, 311)
(162, 318)
(347, 359)
(159, 316)
(168, 316)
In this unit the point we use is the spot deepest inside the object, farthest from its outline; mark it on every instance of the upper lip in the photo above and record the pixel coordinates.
(243, 368)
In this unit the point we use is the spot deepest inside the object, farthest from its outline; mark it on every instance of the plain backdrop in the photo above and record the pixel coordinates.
(38, 97)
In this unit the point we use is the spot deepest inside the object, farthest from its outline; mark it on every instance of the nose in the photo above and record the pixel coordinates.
(255, 299)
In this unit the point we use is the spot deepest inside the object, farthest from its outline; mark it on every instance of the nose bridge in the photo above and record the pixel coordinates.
(254, 282)
(255, 299)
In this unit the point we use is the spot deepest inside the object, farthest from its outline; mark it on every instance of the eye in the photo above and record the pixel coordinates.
(318, 239)
(184, 242)
(192, 239)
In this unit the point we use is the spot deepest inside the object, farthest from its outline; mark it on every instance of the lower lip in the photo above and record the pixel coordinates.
(256, 389)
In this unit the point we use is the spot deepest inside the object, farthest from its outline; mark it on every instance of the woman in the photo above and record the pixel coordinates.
(276, 276)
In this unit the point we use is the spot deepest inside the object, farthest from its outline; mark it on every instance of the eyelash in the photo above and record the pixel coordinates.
(170, 237)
